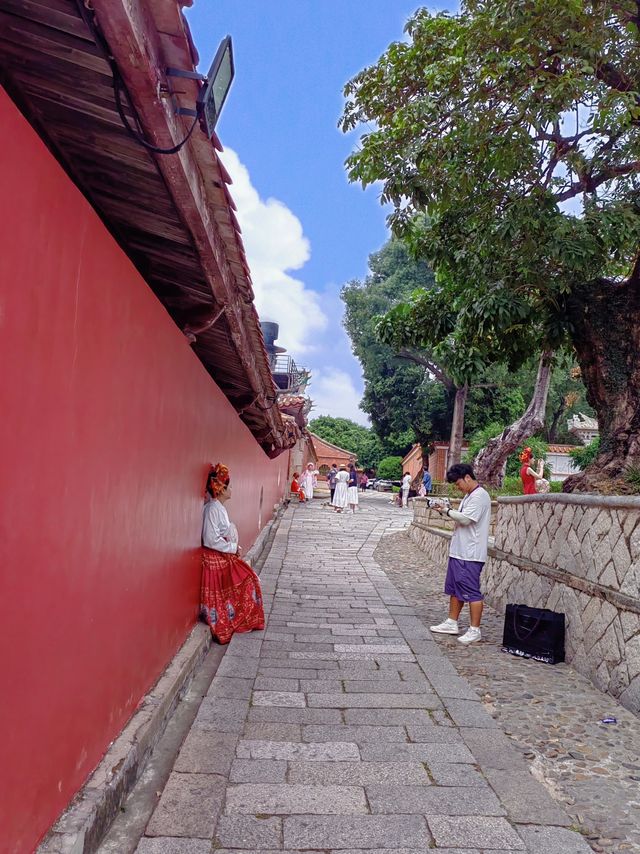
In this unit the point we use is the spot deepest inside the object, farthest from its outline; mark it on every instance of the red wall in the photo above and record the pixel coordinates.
(108, 422)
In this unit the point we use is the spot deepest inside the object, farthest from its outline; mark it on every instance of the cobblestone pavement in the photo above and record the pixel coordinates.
(552, 714)
(343, 728)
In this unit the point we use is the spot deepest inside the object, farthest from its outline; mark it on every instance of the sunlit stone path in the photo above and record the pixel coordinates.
(343, 727)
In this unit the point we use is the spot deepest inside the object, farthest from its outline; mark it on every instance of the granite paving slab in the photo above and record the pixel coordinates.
(371, 831)
(173, 845)
(344, 728)
(189, 806)
(433, 800)
(359, 773)
(481, 832)
(327, 751)
(295, 799)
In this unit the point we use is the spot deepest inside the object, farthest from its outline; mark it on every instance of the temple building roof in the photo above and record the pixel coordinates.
(77, 70)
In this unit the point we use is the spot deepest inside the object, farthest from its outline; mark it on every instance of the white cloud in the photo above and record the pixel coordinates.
(275, 244)
(334, 393)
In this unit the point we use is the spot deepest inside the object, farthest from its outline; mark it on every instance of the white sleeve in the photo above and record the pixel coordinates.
(460, 518)
(472, 511)
(217, 532)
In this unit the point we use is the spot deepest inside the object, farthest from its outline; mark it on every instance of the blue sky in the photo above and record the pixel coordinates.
(307, 230)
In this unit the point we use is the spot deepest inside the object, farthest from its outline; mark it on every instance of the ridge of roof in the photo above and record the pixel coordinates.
(331, 445)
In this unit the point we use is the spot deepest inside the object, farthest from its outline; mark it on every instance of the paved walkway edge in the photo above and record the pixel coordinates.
(82, 826)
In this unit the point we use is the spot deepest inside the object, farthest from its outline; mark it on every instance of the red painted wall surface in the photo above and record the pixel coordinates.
(107, 424)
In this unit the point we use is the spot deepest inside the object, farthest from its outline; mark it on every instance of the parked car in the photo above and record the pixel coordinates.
(381, 485)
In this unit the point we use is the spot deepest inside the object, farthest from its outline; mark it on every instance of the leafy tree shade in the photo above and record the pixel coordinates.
(353, 437)
(484, 124)
(390, 468)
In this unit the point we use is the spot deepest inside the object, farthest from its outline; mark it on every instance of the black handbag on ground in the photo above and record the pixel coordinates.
(534, 633)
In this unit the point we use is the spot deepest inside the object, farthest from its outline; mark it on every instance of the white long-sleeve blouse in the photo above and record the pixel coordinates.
(217, 531)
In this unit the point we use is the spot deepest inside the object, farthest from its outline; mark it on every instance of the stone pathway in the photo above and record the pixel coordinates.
(344, 727)
(552, 714)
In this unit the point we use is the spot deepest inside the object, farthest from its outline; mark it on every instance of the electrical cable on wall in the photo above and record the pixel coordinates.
(87, 13)
(118, 88)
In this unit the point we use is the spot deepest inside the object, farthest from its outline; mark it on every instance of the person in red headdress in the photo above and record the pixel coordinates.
(231, 598)
(528, 475)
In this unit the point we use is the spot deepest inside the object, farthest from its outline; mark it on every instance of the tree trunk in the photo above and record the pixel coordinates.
(490, 464)
(553, 429)
(457, 425)
(606, 335)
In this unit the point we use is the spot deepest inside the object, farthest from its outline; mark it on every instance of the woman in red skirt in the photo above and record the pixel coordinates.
(231, 599)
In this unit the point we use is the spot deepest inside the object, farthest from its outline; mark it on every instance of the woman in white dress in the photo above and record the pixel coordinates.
(352, 488)
(308, 481)
(340, 495)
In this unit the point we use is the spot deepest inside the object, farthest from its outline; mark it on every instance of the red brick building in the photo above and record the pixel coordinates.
(327, 454)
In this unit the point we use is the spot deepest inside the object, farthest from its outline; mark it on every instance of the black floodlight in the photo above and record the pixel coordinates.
(218, 82)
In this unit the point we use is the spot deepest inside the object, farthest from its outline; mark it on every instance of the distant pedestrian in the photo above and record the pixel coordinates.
(467, 552)
(427, 482)
(406, 486)
(339, 500)
(331, 480)
(352, 490)
(295, 487)
(309, 480)
(364, 482)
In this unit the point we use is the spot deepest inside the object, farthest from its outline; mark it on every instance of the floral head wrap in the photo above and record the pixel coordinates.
(218, 479)
(526, 455)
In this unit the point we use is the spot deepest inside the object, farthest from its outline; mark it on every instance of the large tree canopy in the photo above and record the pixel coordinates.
(404, 405)
(507, 139)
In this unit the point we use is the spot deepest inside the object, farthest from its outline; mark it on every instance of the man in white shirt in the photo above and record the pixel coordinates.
(406, 486)
(467, 553)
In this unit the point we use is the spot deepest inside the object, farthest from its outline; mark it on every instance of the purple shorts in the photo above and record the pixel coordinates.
(463, 580)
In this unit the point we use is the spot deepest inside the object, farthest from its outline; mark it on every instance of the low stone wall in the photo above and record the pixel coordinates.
(579, 554)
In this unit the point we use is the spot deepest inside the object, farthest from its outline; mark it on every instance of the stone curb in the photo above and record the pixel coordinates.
(82, 826)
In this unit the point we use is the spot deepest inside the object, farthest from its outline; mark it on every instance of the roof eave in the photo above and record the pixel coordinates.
(143, 41)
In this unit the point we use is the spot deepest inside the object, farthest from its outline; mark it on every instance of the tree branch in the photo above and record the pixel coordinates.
(428, 363)
(589, 183)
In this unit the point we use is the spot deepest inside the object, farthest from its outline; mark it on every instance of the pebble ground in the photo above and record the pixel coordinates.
(551, 713)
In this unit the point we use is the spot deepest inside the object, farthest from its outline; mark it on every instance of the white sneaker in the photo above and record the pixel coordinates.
(471, 635)
(449, 627)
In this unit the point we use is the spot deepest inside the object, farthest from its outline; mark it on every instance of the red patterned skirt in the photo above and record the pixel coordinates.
(230, 598)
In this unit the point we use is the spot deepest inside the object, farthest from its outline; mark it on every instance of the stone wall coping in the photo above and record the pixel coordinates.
(423, 498)
(613, 502)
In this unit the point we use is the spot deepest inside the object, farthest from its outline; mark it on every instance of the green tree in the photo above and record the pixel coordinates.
(584, 455)
(482, 126)
(390, 468)
(406, 404)
(353, 437)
